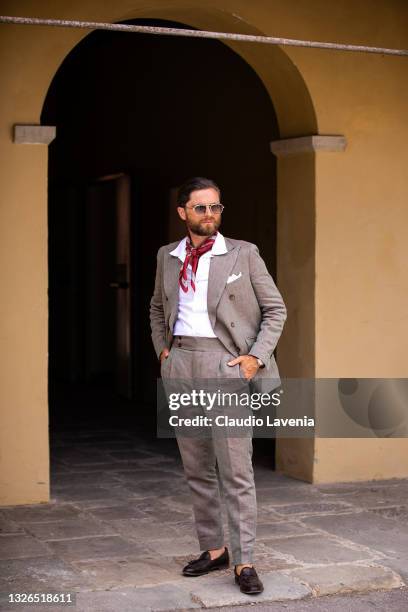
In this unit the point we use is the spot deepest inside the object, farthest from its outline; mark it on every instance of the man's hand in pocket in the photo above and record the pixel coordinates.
(164, 354)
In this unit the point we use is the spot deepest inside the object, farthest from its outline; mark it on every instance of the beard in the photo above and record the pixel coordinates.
(203, 229)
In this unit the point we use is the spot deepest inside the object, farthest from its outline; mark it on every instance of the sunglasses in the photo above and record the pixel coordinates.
(201, 209)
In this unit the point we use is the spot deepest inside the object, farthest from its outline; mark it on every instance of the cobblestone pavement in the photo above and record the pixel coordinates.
(119, 528)
(395, 600)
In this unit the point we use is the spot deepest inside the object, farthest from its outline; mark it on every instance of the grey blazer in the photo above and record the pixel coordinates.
(247, 314)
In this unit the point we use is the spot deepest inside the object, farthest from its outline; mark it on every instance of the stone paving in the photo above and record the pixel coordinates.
(119, 528)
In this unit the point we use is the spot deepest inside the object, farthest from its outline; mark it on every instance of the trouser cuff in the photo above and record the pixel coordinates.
(211, 544)
(242, 559)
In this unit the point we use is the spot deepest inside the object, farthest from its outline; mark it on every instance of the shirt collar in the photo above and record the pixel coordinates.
(219, 247)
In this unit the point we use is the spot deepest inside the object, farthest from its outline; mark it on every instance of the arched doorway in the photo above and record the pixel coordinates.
(135, 116)
(27, 481)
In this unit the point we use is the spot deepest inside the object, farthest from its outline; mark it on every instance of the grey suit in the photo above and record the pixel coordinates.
(247, 314)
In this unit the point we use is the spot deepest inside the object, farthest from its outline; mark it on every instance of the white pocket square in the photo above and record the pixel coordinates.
(234, 277)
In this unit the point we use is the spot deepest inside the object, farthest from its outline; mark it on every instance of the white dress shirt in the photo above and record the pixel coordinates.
(193, 319)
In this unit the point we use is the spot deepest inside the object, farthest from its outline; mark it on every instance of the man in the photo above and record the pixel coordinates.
(217, 313)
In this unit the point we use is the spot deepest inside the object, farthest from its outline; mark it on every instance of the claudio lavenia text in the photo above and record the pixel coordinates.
(223, 420)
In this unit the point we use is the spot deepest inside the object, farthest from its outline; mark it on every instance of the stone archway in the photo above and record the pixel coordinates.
(295, 270)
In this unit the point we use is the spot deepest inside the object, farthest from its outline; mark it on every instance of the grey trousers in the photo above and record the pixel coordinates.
(192, 358)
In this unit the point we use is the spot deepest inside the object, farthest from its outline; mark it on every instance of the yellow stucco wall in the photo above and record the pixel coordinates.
(24, 307)
(361, 252)
(354, 275)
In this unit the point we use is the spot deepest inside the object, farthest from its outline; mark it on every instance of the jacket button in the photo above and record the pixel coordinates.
(232, 324)
(167, 299)
(232, 296)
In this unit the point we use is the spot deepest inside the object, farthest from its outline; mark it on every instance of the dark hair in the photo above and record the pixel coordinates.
(193, 184)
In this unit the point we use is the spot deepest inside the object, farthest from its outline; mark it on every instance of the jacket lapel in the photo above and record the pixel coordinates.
(171, 272)
(220, 268)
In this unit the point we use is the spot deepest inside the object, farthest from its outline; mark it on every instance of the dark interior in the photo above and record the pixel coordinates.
(155, 110)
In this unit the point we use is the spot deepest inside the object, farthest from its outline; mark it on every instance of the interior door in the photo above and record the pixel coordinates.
(108, 318)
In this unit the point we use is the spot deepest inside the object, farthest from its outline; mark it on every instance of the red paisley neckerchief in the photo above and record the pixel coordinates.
(193, 254)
